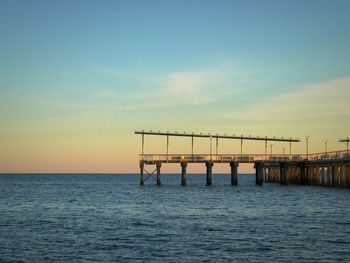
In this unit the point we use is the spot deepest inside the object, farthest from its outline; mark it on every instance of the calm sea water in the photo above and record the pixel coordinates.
(104, 218)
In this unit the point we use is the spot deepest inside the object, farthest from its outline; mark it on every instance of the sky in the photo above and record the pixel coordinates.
(77, 78)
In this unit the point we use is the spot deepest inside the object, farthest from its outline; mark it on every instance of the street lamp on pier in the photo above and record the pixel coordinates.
(271, 148)
(307, 146)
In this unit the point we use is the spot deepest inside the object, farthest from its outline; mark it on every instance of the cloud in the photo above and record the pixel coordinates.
(317, 107)
(197, 87)
(123, 74)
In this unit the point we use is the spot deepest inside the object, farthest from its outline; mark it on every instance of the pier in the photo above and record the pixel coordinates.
(329, 169)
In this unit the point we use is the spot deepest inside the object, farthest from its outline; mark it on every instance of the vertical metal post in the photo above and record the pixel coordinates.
(241, 146)
(183, 173)
(217, 145)
(209, 166)
(192, 146)
(271, 149)
(307, 147)
(290, 148)
(143, 144)
(210, 146)
(142, 180)
(265, 149)
(167, 147)
(234, 177)
(158, 165)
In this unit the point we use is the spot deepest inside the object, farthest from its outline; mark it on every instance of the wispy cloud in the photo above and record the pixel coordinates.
(124, 74)
(197, 87)
(314, 107)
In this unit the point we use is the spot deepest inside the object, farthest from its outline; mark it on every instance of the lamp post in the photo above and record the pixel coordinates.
(241, 145)
(325, 146)
(271, 148)
(210, 147)
(307, 146)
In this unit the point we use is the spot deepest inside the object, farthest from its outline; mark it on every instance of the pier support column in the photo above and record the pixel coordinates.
(333, 176)
(142, 179)
(183, 173)
(276, 175)
(234, 176)
(323, 177)
(316, 175)
(209, 166)
(307, 175)
(297, 174)
(283, 174)
(290, 175)
(347, 176)
(342, 176)
(336, 176)
(302, 174)
(329, 176)
(158, 165)
(311, 175)
(259, 173)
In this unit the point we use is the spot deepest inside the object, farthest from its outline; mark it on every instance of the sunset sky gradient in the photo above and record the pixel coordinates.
(78, 77)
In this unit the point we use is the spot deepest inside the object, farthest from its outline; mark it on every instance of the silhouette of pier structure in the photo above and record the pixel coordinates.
(330, 169)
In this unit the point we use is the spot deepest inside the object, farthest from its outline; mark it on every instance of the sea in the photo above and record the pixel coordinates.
(111, 218)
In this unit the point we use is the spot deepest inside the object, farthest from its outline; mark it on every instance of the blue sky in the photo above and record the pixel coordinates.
(102, 68)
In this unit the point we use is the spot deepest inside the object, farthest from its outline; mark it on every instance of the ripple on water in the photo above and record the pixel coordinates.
(110, 218)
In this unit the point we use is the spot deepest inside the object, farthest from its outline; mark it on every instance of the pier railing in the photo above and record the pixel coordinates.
(243, 158)
(222, 158)
(334, 155)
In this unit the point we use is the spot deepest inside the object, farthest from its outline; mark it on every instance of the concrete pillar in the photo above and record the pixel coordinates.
(329, 176)
(298, 174)
(158, 165)
(333, 176)
(289, 174)
(302, 174)
(323, 178)
(234, 176)
(183, 173)
(292, 175)
(259, 169)
(316, 176)
(347, 175)
(295, 178)
(307, 175)
(336, 175)
(310, 175)
(342, 176)
(142, 179)
(271, 173)
(283, 173)
(209, 166)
